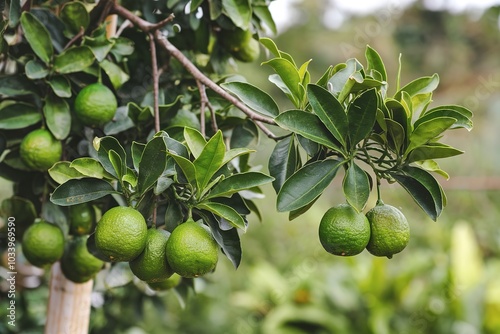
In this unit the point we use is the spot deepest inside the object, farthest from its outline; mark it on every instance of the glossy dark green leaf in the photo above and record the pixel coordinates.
(433, 151)
(374, 62)
(194, 5)
(35, 69)
(300, 211)
(309, 126)
(15, 11)
(210, 160)
(428, 130)
(152, 165)
(57, 116)
(74, 59)
(37, 36)
(290, 77)
(18, 115)
(329, 111)
(228, 240)
(239, 182)
(310, 147)
(396, 135)
(361, 116)
(75, 17)
(253, 97)
(223, 211)
(283, 161)
(306, 184)
(239, 11)
(81, 191)
(356, 186)
(247, 133)
(420, 86)
(462, 115)
(187, 167)
(118, 163)
(423, 188)
(60, 86)
(16, 85)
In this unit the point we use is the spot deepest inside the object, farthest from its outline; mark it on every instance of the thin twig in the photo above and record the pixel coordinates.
(191, 68)
(154, 68)
(205, 103)
(75, 38)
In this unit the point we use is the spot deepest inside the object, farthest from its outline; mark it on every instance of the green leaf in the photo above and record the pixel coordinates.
(228, 240)
(103, 146)
(81, 191)
(263, 13)
(239, 11)
(433, 166)
(428, 130)
(15, 11)
(270, 45)
(16, 85)
(307, 184)
(118, 164)
(57, 116)
(290, 77)
(284, 161)
(75, 17)
(136, 150)
(60, 86)
(195, 4)
(223, 211)
(90, 167)
(22, 210)
(18, 115)
(419, 86)
(462, 115)
(329, 111)
(356, 186)
(343, 80)
(361, 116)
(432, 151)
(396, 135)
(62, 171)
(210, 160)
(374, 62)
(37, 36)
(309, 126)
(99, 44)
(187, 167)
(433, 188)
(152, 165)
(195, 141)
(253, 97)
(235, 152)
(35, 70)
(239, 182)
(116, 75)
(300, 211)
(74, 59)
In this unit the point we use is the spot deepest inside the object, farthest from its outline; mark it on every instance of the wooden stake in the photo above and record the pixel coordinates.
(69, 305)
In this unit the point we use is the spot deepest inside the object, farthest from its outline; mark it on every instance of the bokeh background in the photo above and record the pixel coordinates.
(448, 278)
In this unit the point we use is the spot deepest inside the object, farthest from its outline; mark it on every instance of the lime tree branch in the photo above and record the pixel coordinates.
(162, 41)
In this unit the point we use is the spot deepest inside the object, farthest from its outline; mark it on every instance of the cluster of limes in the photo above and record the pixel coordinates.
(383, 231)
(95, 105)
(154, 255)
(44, 243)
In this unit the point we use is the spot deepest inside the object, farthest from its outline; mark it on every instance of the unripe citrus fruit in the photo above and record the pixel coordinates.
(43, 243)
(121, 234)
(82, 219)
(344, 231)
(39, 150)
(191, 250)
(77, 264)
(152, 265)
(390, 231)
(95, 105)
(240, 44)
(167, 284)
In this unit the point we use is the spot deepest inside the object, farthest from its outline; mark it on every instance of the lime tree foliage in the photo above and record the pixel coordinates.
(177, 148)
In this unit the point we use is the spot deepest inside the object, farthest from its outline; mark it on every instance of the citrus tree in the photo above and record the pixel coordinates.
(127, 138)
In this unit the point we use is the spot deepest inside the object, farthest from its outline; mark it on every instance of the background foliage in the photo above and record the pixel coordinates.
(446, 281)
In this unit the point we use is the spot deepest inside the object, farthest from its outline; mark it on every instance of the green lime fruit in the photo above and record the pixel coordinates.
(344, 231)
(77, 264)
(39, 150)
(167, 284)
(82, 219)
(152, 265)
(248, 52)
(121, 234)
(191, 250)
(95, 105)
(390, 231)
(43, 243)
(240, 44)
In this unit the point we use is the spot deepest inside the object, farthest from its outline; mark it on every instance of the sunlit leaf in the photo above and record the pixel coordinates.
(356, 186)
(253, 97)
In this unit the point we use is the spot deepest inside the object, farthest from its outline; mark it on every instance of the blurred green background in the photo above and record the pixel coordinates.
(448, 278)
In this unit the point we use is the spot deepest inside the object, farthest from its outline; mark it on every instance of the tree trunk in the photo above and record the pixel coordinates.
(68, 309)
